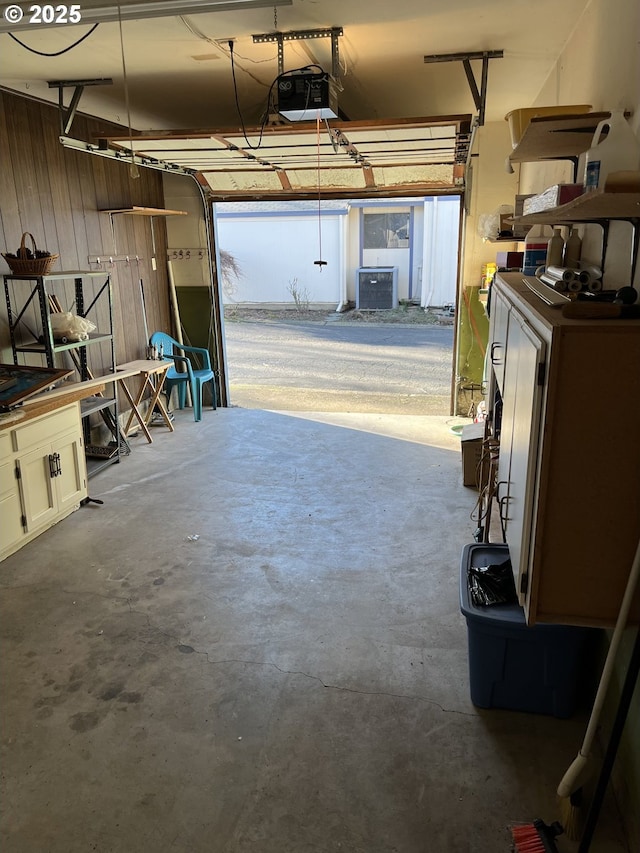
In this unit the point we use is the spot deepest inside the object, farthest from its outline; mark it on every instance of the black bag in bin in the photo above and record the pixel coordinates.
(492, 584)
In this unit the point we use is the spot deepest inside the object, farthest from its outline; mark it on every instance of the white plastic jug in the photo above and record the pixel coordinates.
(618, 150)
(536, 244)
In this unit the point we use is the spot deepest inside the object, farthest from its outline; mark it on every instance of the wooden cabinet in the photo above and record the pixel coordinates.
(42, 475)
(569, 466)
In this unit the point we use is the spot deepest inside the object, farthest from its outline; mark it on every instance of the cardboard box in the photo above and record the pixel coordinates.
(519, 230)
(471, 442)
(552, 197)
(510, 260)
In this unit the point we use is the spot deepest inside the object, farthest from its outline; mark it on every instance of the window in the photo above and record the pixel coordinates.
(386, 230)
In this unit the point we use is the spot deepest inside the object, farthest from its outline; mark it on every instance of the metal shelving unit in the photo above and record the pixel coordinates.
(30, 302)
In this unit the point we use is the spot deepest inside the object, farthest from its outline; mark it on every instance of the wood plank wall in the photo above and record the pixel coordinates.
(57, 194)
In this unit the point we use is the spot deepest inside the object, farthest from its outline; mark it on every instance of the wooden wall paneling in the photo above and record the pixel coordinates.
(128, 284)
(72, 188)
(101, 170)
(54, 153)
(118, 195)
(89, 205)
(98, 168)
(22, 158)
(49, 237)
(162, 317)
(9, 210)
(78, 218)
(92, 219)
(141, 227)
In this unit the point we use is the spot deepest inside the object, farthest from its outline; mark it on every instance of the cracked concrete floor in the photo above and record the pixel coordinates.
(293, 680)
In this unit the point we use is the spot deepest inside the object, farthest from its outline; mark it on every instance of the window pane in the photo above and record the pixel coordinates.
(386, 230)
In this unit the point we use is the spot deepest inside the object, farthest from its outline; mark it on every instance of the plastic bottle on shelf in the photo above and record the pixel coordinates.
(555, 248)
(535, 249)
(618, 150)
(572, 250)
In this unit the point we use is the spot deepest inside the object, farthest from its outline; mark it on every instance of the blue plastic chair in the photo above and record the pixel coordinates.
(174, 351)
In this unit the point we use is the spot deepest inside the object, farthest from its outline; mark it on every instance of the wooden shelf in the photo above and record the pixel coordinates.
(590, 207)
(53, 276)
(556, 137)
(145, 211)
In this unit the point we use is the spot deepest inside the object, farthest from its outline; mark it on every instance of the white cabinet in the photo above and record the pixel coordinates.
(522, 393)
(43, 475)
(11, 529)
(498, 332)
(569, 466)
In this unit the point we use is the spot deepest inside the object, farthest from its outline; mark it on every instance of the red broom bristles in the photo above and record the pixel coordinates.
(535, 837)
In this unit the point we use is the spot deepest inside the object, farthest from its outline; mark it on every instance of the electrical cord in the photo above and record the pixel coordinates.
(59, 52)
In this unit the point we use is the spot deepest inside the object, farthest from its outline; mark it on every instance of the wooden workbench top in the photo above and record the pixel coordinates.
(49, 401)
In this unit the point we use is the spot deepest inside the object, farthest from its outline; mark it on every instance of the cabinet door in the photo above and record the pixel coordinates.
(11, 529)
(498, 335)
(521, 424)
(70, 484)
(37, 487)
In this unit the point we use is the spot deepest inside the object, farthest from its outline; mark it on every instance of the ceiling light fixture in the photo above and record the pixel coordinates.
(98, 11)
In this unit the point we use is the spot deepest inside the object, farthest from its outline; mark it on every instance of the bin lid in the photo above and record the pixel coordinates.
(486, 554)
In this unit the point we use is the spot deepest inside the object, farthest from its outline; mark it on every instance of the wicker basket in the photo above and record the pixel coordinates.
(22, 265)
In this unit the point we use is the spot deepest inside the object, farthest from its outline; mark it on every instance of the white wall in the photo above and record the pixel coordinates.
(434, 254)
(440, 251)
(491, 187)
(599, 66)
(276, 252)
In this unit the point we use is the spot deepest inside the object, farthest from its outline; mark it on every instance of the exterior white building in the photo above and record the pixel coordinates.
(276, 246)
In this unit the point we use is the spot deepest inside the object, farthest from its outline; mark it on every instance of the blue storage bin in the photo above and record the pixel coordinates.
(536, 669)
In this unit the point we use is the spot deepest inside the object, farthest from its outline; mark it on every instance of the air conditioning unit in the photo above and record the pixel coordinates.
(377, 288)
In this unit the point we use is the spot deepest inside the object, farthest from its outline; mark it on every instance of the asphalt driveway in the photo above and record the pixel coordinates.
(340, 367)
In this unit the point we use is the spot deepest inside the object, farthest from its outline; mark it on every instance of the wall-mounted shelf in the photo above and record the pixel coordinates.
(597, 207)
(557, 137)
(590, 207)
(145, 211)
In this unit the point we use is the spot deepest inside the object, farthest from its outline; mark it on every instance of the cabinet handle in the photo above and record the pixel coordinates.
(500, 502)
(498, 484)
(55, 469)
(494, 346)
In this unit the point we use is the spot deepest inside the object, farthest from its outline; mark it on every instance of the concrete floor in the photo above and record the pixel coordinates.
(292, 681)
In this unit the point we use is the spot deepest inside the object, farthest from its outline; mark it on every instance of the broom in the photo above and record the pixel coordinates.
(570, 787)
(536, 837)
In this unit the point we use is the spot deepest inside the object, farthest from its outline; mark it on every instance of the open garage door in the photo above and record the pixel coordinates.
(303, 160)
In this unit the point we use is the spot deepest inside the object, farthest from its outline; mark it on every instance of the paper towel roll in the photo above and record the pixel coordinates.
(563, 273)
(590, 273)
(595, 285)
(555, 283)
(574, 286)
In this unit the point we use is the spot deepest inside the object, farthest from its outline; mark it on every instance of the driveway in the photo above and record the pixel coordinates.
(340, 367)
